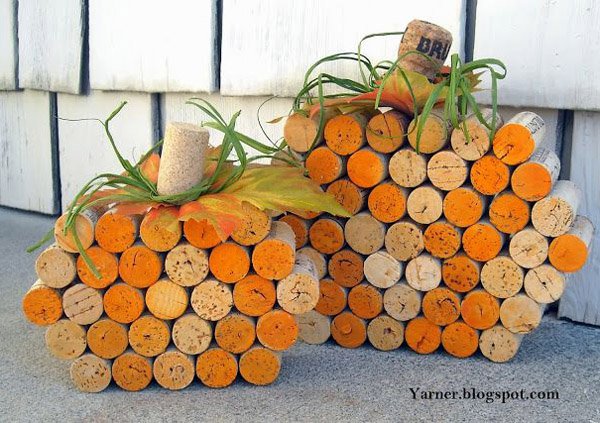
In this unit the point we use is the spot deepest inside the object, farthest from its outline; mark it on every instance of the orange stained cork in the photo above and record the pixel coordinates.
(84, 227)
(201, 234)
(489, 175)
(463, 206)
(365, 301)
(123, 303)
(132, 372)
(569, 252)
(460, 273)
(254, 295)
(159, 235)
(386, 131)
(387, 202)
(533, 180)
(324, 166)
(167, 300)
(345, 134)
(350, 196)
(482, 242)
(326, 235)
(441, 239)
(260, 366)
(346, 268)
(235, 333)
(229, 262)
(115, 232)
(508, 213)
(42, 305)
(255, 226)
(107, 338)
(149, 336)
(348, 330)
(140, 267)
(216, 368)
(441, 306)
(332, 298)
(273, 257)
(517, 139)
(277, 330)
(367, 168)
(423, 336)
(480, 309)
(460, 340)
(106, 263)
(299, 226)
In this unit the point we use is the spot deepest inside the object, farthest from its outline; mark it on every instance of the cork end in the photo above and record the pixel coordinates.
(429, 39)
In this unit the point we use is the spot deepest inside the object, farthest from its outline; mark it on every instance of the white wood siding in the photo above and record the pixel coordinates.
(8, 45)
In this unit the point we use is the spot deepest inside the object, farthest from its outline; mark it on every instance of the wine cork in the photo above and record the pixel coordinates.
(299, 292)
(404, 241)
(480, 309)
(42, 305)
(326, 235)
(90, 373)
(299, 226)
(460, 340)
(186, 265)
(324, 165)
(428, 39)
(569, 252)
(346, 268)
(260, 366)
(502, 277)
(229, 262)
(277, 330)
(160, 234)
(402, 302)
(123, 303)
(385, 333)
(313, 327)
(382, 270)
(489, 175)
(345, 134)
(498, 344)
(82, 304)
(349, 195)
(424, 204)
(166, 300)
(386, 131)
(516, 141)
(348, 330)
(66, 339)
(482, 242)
(55, 267)
(85, 223)
(441, 239)
(424, 272)
(554, 215)
(255, 226)
(182, 158)
(478, 142)
(235, 333)
(273, 257)
(332, 298)
(528, 248)
(216, 368)
(201, 233)
(509, 213)
(191, 334)
(364, 234)
(387, 202)
(132, 372)
(464, 206)
(107, 339)
(441, 306)
(533, 180)
(212, 300)
(434, 136)
(365, 301)
(520, 314)
(254, 295)
(173, 369)
(301, 132)
(367, 168)
(447, 170)
(408, 168)
(460, 273)
(149, 336)
(116, 232)
(544, 284)
(139, 266)
(422, 336)
(317, 258)
(106, 264)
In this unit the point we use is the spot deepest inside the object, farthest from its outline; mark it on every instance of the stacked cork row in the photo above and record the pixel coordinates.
(456, 242)
(172, 303)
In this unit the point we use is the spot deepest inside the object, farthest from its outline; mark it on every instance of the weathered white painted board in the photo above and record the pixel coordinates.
(8, 45)
(51, 44)
(581, 300)
(268, 44)
(551, 49)
(84, 150)
(153, 45)
(175, 109)
(551, 117)
(27, 162)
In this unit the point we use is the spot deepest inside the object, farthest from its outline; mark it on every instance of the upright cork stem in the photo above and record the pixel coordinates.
(427, 38)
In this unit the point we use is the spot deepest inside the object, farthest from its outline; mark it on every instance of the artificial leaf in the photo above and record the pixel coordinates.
(223, 211)
(165, 216)
(150, 167)
(129, 208)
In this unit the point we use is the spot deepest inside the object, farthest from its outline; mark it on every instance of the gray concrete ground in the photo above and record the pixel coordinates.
(317, 383)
